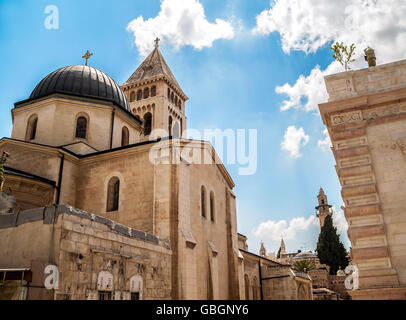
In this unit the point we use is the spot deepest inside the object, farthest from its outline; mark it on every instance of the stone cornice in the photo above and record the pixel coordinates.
(49, 150)
(359, 108)
(119, 153)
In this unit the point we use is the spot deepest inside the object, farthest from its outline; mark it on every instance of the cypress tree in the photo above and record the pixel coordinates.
(279, 253)
(330, 250)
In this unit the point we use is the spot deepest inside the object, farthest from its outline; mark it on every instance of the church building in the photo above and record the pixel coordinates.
(99, 184)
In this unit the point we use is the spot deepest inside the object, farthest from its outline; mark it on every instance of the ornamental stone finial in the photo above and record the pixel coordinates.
(370, 57)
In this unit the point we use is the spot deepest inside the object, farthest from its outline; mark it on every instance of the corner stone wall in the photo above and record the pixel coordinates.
(366, 117)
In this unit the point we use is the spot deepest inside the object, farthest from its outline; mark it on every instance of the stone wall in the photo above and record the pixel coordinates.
(278, 281)
(85, 248)
(57, 118)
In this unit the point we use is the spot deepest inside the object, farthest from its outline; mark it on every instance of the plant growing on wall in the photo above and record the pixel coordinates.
(304, 266)
(343, 54)
(330, 250)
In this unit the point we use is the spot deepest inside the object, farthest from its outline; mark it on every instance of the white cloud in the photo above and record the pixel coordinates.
(276, 229)
(293, 140)
(308, 25)
(182, 23)
(339, 220)
(325, 144)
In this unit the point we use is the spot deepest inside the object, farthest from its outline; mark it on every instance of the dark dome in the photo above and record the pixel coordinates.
(82, 81)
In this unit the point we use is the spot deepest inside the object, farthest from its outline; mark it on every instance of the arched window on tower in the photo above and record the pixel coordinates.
(31, 128)
(113, 194)
(147, 123)
(176, 134)
(172, 97)
(132, 96)
(203, 201)
(169, 93)
(176, 100)
(153, 91)
(139, 95)
(146, 93)
(212, 206)
(125, 136)
(81, 128)
(170, 126)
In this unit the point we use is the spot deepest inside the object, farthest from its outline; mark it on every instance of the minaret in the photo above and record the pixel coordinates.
(156, 97)
(323, 209)
(262, 250)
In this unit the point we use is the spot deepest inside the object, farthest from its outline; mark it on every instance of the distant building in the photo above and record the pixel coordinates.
(266, 278)
(323, 209)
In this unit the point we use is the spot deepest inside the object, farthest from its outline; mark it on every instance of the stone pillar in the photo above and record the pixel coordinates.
(366, 120)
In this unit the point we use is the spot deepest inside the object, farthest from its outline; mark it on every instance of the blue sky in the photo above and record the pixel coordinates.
(231, 83)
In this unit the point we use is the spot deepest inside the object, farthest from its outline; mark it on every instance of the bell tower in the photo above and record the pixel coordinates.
(323, 209)
(262, 250)
(282, 247)
(156, 98)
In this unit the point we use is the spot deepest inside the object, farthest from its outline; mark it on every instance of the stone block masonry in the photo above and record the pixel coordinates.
(96, 257)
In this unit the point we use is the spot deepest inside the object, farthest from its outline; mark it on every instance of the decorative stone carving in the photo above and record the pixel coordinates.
(105, 281)
(390, 110)
(348, 117)
(402, 145)
(369, 114)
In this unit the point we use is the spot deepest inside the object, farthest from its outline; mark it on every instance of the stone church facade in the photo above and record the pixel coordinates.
(99, 184)
(82, 141)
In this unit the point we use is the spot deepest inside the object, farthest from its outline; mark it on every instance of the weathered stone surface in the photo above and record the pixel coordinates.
(369, 253)
(7, 203)
(352, 152)
(362, 210)
(359, 190)
(368, 231)
(349, 134)
(355, 171)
